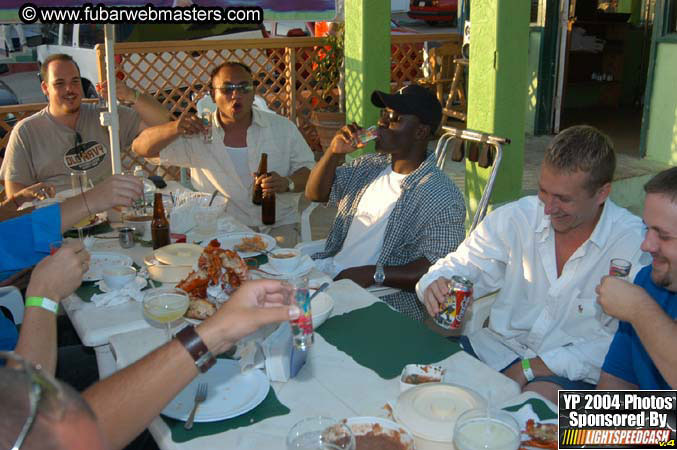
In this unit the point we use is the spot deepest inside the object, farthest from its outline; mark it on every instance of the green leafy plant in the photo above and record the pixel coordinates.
(329, 65)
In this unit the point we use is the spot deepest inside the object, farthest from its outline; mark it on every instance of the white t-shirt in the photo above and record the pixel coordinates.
(364, 240)
(240, 159)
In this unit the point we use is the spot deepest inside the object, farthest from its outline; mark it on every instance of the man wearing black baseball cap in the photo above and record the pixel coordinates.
(397, 212)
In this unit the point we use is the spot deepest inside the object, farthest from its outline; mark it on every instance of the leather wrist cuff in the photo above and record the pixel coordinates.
(196, 348)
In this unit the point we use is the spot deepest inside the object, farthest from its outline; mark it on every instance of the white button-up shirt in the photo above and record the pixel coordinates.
(537, 313)
(211, 167)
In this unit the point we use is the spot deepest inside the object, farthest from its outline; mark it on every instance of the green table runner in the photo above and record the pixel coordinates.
(539, 407)
(270, 407)
(384, 340)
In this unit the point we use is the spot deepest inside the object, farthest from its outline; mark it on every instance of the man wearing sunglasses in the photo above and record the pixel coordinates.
(240, 133)
(67, 135)
(397, 212)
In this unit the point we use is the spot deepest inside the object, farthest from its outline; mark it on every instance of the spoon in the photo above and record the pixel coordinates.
(322, 287)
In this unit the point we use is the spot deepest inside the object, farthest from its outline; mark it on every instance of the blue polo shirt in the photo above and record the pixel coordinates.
(627, 358)
(25, 240)
(8, 334)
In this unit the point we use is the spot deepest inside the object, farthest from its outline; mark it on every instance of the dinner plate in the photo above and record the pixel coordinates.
(98, 261)
(231, 393)
(230, 240)
(98, 220)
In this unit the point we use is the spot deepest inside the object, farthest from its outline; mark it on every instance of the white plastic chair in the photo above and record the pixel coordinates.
(11, 298)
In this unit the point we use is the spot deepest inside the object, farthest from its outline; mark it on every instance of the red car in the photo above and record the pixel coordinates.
(434, 11)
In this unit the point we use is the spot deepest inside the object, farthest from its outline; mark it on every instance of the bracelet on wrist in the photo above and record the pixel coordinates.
(42, 302)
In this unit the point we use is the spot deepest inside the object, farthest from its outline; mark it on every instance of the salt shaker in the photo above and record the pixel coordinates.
(126, 237)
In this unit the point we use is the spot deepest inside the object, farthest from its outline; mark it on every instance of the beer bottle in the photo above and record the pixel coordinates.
(258, 190)
(268, 208)
(159, 227)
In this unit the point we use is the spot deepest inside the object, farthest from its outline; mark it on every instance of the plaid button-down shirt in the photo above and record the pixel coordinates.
(427, 220)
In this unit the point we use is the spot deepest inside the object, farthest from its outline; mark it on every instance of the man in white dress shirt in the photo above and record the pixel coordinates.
(240, 134)
(545, 255)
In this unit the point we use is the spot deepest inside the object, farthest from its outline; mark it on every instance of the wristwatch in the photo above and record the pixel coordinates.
(379, 275)
(291, 184)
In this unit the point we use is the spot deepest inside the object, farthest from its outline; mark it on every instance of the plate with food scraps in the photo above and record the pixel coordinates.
(246, 244)
(90, 222)
(98, 261)
(230, 393)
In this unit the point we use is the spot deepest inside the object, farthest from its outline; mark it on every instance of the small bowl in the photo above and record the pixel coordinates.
(415, 374)
(361, 426)
(285, 260)
(321, 307)
(117, 277)
(165, 273)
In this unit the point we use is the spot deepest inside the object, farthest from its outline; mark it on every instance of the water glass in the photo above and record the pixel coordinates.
(206, 221)
(486, 429)
(302, 327)
(320, 433)
(101, 104)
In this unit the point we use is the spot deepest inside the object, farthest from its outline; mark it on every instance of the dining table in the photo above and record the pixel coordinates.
(352, 368)
(350, 372)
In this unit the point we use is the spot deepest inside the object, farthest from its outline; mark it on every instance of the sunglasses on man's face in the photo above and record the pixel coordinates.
(390, 116)
(43, 389)
(230, 88)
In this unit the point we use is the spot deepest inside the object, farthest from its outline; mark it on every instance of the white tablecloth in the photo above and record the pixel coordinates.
(330, 384)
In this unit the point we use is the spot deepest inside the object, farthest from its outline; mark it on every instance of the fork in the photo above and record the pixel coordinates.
(200, 396)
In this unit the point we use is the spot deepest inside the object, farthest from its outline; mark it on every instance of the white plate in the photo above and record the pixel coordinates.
(100, 260)
(100, 218)
(303, 269)
(231, 393)
(230, 240)
(141, 282)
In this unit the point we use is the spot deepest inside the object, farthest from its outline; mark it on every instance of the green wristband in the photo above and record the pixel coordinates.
(526, 368)
(42, 302)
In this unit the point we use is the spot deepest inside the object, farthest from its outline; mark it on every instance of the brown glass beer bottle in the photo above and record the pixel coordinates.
(159, 227)
(257, 194)
(268, 208)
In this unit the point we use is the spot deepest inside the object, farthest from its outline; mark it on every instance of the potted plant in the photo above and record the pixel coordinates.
(328, 65)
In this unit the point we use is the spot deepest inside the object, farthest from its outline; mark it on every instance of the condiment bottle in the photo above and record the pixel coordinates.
(257, 194)
(159, 227)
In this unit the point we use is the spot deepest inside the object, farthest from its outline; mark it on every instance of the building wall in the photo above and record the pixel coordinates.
(662, 132)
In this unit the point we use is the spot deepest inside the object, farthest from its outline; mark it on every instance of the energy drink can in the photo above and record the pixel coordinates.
(458, 299)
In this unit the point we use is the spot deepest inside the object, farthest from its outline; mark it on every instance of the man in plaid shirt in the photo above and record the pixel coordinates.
(397, 212)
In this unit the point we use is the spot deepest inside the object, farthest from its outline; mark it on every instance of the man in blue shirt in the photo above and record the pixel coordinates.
(25, 240)
(642, 353)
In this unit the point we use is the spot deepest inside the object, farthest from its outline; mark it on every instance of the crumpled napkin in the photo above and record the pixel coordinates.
(525, 413)
(117, 297)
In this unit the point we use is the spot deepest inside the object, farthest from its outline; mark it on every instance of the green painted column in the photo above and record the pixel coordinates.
(367, 60)
(497, 87)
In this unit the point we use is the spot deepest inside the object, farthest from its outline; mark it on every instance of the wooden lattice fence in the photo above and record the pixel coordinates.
(177, 73)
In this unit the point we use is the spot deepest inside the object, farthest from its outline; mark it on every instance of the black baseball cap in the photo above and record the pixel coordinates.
(413, 99)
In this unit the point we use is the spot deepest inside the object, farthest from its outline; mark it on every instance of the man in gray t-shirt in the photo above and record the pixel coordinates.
(66, 135)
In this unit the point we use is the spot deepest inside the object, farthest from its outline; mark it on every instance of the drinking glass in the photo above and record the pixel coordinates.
(619, 267)
(101, 104)
(207, 122)
(320, 433)
(79, 182)
(486, 429)
(302, 327)
(206, 221)
(165, 306)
